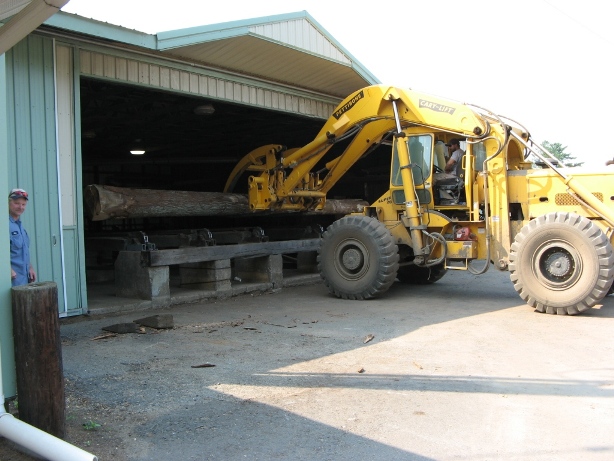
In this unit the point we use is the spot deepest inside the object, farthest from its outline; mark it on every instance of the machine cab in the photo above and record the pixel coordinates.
(434, 187)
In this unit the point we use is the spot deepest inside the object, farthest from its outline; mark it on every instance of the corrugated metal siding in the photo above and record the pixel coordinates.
(160, 76)
(300, 33)
(70, 182)
(7, 348)
(32, 150)
(10, 7)
(290, 49)
(251, 55)
(65, 102)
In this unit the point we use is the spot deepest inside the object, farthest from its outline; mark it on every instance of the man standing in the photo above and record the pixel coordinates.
(22, 271)
(455, 163)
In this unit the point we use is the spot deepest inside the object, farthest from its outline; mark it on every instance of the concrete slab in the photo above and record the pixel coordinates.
(102, 300)
(457, 370)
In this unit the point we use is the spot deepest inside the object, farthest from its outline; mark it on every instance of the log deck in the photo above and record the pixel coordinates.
(213, 253)
(146, 274)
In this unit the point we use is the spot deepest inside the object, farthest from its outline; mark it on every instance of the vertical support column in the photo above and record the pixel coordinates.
(40, 376)
(70, 238)
(267, 269)
(135, 281)
(6, 319)
(208, 275)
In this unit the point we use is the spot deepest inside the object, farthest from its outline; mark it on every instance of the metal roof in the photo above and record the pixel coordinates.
(290, 49)
(269, 80)
(10, 7)
(24, 16)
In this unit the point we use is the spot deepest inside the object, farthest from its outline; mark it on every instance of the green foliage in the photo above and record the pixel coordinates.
(558, 150)
(91, 426)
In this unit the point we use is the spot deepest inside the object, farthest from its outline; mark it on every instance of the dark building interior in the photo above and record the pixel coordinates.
(193, 144)
(189, 149)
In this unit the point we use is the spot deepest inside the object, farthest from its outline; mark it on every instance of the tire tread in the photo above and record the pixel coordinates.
(603, 250)
(388, 257)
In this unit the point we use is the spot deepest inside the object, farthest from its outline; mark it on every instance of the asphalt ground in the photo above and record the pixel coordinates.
(458, 370)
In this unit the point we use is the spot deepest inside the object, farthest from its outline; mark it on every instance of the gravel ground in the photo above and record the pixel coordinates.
(459, 370)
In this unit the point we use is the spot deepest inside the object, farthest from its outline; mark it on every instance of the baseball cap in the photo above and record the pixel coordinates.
(18, 193)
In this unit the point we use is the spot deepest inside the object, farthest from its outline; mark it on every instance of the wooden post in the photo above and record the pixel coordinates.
(38, 357)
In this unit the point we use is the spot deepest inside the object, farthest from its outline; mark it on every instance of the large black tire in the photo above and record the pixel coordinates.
(561, 263)
(416, 275)
(358, 258)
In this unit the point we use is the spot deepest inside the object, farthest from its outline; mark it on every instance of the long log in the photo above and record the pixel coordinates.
(106, 202)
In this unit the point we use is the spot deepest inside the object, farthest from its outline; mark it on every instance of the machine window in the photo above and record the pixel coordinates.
(420, 153)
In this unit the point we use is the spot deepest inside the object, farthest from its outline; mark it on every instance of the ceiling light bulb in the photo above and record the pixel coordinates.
(205, 109)
(137, 152)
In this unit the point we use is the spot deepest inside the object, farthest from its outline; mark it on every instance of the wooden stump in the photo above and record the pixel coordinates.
(38, 357)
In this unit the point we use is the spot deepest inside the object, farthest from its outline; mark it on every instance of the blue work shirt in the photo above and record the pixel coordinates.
(20, 251)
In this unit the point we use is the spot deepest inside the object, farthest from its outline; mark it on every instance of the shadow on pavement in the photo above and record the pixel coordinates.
(144, 389)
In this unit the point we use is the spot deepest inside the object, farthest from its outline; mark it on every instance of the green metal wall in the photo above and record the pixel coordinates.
(35, 111)
(32, 154)
(6, 318)
(69, 166)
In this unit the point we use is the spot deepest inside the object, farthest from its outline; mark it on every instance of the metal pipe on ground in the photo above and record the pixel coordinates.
(36, 441)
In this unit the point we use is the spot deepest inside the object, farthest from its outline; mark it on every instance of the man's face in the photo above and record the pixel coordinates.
(17, 206)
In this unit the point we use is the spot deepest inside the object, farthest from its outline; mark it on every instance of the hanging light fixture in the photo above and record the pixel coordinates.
(138, 148)
(205, 109)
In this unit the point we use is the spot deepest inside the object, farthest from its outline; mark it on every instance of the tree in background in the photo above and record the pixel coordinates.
(558, 150)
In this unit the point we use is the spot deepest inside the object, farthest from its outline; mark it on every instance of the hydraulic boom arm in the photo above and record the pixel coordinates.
(285, 178)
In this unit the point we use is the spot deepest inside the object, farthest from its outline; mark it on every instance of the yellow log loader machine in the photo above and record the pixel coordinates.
(549, 226)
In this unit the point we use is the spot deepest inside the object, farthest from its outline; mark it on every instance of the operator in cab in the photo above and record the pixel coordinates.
(455, 161)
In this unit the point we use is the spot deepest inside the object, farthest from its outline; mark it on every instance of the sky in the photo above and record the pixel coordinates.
(543, 63)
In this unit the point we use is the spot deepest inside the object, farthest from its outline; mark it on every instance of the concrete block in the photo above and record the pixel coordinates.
(134, 281)
(123, 328)
(208, 275)
(261, 269)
